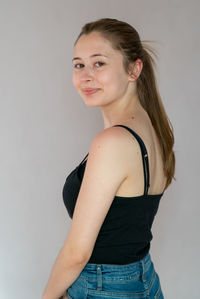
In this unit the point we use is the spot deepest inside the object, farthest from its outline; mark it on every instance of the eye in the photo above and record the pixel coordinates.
(78, 65)
(100, 63)
(81, 65)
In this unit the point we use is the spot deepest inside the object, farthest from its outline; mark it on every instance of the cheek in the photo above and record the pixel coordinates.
(108, 78)
(75, 80)
(114, 81)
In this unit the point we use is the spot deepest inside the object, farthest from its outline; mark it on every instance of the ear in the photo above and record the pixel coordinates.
(135, 69)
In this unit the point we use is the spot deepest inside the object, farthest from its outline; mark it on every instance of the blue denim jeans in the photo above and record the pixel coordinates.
(135, 280)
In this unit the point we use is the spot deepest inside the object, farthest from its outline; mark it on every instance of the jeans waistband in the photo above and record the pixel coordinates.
(142, 265)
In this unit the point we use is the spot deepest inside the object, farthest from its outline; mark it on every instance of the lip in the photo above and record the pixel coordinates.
(88, 91)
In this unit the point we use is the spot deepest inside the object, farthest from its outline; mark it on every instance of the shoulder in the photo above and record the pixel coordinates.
(115, 139)
(107, 142)
(114, 146)
(113, 136)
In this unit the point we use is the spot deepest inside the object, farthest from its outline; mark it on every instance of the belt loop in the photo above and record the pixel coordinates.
(99, 278)
(143, 271)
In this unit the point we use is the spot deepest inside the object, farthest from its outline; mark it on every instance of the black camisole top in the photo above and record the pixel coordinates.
(125, 234)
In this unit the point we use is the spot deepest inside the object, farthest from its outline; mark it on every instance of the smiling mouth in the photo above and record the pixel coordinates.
(89, 91)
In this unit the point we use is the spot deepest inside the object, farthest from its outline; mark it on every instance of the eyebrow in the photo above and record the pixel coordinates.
(94, 55)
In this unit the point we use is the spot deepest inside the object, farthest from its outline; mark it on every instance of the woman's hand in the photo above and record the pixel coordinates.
(64, 296)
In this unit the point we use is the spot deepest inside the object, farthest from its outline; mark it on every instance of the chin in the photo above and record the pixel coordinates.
(90, 104)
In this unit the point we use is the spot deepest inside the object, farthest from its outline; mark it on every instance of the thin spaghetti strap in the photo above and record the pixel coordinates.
(83, 159)
(145, 160)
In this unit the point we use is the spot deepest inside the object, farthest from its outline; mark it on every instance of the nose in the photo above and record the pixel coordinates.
(87, 73)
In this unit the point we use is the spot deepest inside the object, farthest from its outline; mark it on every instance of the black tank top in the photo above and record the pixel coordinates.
(125, 234)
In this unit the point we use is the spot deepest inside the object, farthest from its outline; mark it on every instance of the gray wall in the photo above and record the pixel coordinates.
(46, 130)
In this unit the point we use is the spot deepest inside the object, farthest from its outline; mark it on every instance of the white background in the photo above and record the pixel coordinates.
(46, 130)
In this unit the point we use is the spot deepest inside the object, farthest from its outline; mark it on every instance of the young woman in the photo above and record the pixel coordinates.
(114, 194)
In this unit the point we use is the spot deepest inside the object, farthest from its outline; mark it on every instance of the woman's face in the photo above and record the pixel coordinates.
(98, 75)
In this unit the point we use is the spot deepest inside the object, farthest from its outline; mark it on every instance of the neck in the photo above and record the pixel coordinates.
(120, 112)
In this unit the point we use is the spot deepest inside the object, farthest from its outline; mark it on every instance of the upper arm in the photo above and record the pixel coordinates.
(106, 169)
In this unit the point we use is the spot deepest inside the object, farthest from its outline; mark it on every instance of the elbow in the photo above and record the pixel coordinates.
(81, 258)
(76, 254)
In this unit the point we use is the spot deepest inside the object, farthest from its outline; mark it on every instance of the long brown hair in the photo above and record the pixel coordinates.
(125, 38)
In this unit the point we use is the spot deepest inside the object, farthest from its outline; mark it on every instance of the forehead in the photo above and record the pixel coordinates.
(93, 43)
